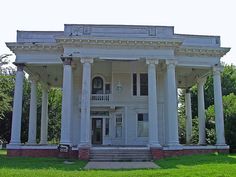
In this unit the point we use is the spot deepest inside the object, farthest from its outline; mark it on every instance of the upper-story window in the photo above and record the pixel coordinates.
(97, 85)
(144, 84)
(140, 84)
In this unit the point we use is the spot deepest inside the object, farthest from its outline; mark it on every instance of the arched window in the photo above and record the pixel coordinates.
(97, 85)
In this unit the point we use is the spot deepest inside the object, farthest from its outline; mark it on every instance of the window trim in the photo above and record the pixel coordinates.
(122, 125)
(138, 84)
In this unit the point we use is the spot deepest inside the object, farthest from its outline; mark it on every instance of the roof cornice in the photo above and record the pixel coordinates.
(201, 51)
(119, 43)
(16, 46)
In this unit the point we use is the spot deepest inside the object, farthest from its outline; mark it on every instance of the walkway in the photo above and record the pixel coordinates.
(120, 165)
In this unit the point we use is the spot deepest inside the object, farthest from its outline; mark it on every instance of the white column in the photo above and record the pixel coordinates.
(219, 117)
(66, 103)
(173, 135)
(201, 111)
(188, 113)
(17, 106)
(152, 103)
(33, 113)
(44, 116)
(85, 139)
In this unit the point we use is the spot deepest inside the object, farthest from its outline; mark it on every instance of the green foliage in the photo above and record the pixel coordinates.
(6, 95)
(54, 107)
(229, 104)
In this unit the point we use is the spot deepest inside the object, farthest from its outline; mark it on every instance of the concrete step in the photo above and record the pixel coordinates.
(120, 155)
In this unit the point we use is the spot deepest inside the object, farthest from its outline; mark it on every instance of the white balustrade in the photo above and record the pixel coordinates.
(101, 97)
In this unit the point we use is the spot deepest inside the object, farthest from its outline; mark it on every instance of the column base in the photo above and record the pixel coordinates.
(155, 145)
(15, 143)
(174, 144)
(221, 144)
(43, 143)
(31, 143)
(202, 144)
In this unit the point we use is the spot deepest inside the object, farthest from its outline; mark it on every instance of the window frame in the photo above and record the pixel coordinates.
(138, 84)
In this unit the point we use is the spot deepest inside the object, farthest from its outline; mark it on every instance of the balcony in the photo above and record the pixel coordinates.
(101, 97)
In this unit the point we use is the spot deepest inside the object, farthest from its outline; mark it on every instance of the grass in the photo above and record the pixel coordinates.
(215, 165)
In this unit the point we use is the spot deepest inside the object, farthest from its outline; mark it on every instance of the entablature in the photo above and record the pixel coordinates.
(18, 47)
(99, 42)
(201, 51)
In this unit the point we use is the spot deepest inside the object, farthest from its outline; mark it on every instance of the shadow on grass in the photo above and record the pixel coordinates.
(208, 159)
(39, 163)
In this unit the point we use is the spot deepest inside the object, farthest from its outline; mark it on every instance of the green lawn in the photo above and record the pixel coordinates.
(199, 165)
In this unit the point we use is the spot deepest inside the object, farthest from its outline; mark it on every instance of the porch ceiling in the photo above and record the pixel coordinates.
(187, 76)
(50, 74)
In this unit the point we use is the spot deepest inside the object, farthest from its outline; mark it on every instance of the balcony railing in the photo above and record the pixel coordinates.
(101, 97)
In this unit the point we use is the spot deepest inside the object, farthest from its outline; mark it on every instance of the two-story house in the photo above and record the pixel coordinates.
(119, 87)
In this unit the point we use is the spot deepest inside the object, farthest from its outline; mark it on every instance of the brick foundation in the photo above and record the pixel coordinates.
(159, 153)
(84, 153)
(41, 153)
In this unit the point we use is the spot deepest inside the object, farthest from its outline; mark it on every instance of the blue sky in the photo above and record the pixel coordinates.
(209, 17)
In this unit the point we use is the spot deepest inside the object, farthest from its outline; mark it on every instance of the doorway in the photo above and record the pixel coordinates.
(97, 130)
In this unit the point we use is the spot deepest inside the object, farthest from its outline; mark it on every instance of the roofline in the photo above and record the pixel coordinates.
(40, 31)
(118, 25)
(195, 35)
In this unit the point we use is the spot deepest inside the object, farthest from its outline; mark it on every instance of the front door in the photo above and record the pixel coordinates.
(97, 131)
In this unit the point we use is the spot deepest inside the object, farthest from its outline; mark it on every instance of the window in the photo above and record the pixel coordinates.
(142, 127)
(97, 85)
(118, 125)
(143, 84)
(107, 126)
(135, 84)
(140, 84)
(107, 88)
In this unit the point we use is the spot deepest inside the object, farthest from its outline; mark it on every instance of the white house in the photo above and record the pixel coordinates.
(119, 87)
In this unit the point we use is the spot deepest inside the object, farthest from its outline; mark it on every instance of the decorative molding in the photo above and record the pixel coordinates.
(201, 80)
(217, 69)
(66, 60)
(20, 66)
(118, 43)
(152, 61)
(34, 47)
(200, 51)
(86, 60)
(171, 62)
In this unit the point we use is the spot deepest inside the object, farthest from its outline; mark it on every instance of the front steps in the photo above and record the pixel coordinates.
(120, 154)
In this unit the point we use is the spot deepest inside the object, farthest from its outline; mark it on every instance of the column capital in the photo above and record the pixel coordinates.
(20, 66)
(201, 80)
(66, 60)
(152, 61)
(86, 60)
(187, 90)
(217, 69)
(45, 87)
(171, 62)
